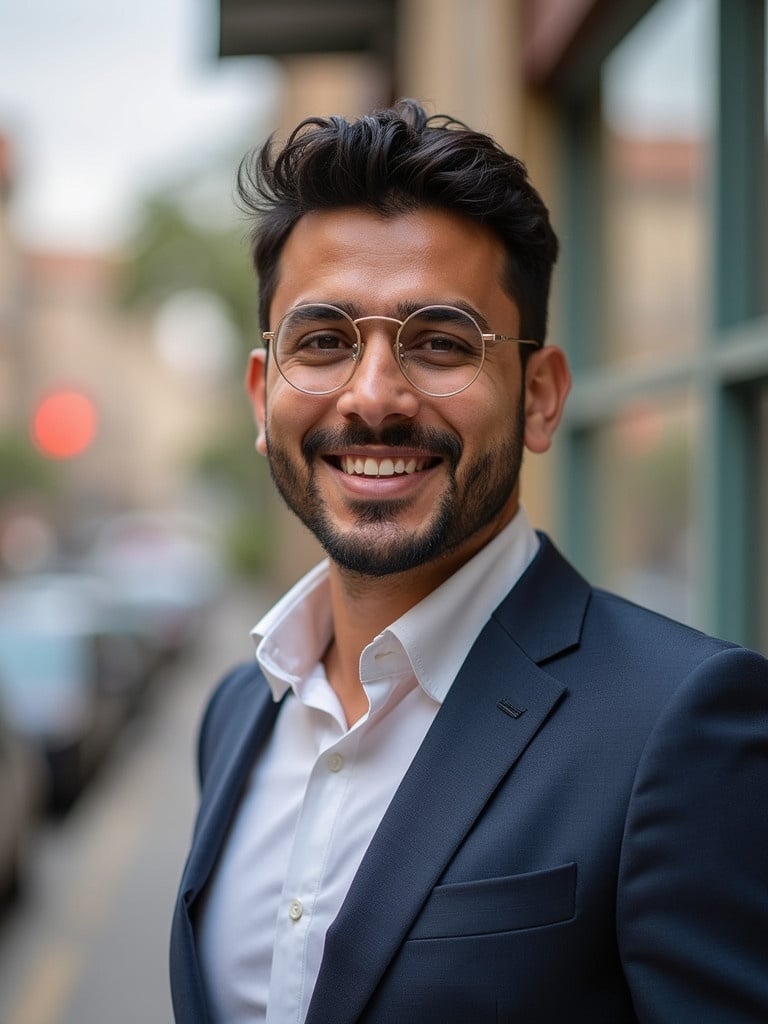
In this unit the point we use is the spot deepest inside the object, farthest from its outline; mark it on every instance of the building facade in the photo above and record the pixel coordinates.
(644, 126)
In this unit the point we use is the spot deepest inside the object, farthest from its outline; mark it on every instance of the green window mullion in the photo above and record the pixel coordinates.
(727, 487)
(727, 466)
(740, 163)
(582, 234)
(582, 244)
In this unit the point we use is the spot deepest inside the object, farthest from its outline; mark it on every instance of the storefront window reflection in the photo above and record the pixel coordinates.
(644, 504)
(657, 107)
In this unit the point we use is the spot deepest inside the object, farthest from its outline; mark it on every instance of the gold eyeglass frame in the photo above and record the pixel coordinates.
(357, 355)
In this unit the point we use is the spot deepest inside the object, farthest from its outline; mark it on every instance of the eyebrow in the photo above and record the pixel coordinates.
(406, 307)
(311, 312)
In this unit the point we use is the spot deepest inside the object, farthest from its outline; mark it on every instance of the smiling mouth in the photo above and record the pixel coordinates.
(356, 465)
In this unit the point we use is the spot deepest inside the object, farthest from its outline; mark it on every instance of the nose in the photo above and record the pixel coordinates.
(378, 390)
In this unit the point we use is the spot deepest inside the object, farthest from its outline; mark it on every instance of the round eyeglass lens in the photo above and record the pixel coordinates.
(315, 348)
(441, 350)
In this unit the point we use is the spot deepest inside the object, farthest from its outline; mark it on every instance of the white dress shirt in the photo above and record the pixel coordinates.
(319, 790)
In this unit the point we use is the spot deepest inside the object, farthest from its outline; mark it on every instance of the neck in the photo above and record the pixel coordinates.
(362, 607)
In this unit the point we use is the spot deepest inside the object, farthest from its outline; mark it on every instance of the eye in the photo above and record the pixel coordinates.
(325, 340)
(441, 343)
(315, 343)
(439, 348)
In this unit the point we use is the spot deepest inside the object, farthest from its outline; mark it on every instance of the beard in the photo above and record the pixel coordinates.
(379, 545)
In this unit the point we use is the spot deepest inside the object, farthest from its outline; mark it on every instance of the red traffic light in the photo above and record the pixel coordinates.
(64, 424)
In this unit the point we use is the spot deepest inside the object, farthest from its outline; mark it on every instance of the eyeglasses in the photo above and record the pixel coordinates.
(439, 349)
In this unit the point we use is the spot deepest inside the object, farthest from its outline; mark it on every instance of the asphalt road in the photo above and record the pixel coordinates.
(88, 943)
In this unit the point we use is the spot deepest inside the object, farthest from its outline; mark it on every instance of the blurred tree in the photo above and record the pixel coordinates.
(30, 504)
(172, 252)
(230, 466)
(24, 472)
(188, 239)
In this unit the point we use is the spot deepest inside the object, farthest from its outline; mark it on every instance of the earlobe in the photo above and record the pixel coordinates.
(256, 386)
(547, 383)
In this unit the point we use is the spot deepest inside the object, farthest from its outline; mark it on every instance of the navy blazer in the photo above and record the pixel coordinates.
(582, 836)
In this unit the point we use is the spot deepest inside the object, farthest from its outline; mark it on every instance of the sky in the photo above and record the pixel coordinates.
(103, 99)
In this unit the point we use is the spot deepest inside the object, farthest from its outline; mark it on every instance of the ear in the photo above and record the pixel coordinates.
(256, 386)
(547, 383)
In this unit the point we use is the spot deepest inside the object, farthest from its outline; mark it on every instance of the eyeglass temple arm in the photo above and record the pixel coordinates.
(508, 337)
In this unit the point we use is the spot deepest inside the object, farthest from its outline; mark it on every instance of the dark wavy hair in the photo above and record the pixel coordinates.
(394, 161)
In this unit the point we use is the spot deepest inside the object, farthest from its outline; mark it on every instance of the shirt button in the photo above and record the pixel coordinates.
(295, 910)
(335, 762)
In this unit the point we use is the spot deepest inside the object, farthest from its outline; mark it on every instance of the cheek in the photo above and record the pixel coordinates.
(487, 418)
(289, 414)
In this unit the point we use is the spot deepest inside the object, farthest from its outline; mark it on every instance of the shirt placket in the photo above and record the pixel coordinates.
(311, 851)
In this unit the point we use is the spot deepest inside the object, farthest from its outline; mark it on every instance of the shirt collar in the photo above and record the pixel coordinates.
(294, 634)
(436, 634)
(440, 630)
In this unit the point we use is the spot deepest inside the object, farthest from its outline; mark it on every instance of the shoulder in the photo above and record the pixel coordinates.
(609, 628)
(658, 656)
(696, 824)
(666, 654)
(612, 653)
(614, 622)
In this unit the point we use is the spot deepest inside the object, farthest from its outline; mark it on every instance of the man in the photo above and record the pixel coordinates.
(457, 784)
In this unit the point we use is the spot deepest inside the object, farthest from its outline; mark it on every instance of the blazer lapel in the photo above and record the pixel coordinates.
(247, 726)
(240, 724)
(497, 704)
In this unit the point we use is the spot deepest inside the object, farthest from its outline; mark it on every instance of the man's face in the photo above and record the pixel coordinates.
(387, 478)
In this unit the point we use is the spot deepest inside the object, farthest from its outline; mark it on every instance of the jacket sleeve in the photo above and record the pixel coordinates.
(692, 903)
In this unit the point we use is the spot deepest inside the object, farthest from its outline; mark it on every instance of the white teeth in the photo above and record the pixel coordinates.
(356, 466)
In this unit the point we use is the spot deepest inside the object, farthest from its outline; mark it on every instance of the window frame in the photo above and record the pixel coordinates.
(725, 375)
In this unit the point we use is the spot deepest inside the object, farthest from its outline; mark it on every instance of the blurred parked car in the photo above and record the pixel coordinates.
(162, 572)
(67, 677)
(20, 796)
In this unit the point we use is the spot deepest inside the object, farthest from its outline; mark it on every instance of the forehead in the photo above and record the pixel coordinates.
(379, 261)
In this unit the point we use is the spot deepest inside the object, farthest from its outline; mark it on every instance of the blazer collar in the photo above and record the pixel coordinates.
(498, 702)
(544, 613)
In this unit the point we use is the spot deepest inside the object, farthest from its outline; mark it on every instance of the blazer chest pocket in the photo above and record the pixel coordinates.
(494, 905)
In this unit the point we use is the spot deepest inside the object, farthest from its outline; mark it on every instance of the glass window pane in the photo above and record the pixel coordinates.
(643, 505)
(657, 102)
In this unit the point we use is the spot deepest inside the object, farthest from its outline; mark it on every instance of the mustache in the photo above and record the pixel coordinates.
(434, 442)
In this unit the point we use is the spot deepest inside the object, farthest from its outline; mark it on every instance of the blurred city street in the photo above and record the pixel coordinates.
(87, 942)
(131, 494)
